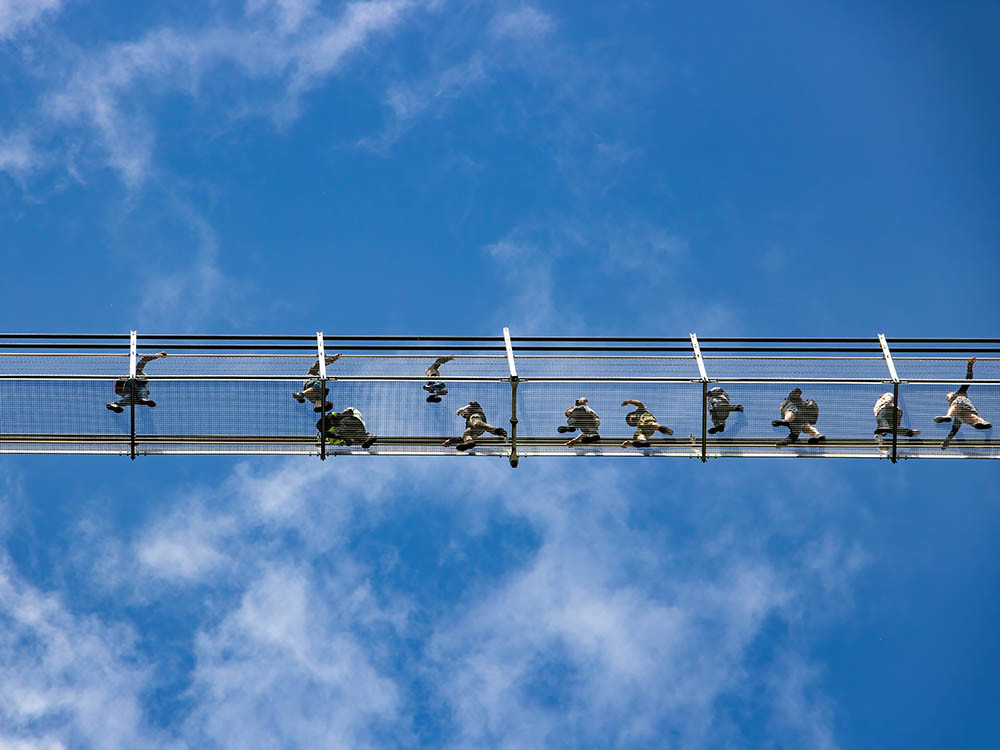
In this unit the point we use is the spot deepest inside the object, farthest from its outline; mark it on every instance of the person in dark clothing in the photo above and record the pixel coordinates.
(581, 417)
(436, 388)
(719, 409)
(314, 389)
(798, 416)
(884, 409)
(475, 425)
(123, 387)
(645, 425)
(346, 427)
(961, 409)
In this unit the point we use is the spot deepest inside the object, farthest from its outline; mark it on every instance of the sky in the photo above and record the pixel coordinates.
(451, 167)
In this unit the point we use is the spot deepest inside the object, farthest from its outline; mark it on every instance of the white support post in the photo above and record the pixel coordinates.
(888, 358)
(704, 396)
(321, 360)
(131, 353)
(132, 367)
(895, 394)
(513, 397)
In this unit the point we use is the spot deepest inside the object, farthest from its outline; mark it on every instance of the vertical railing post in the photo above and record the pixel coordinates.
(704, 396)
(513, 398)
(131, 383)
(895, 393)
(321, 359)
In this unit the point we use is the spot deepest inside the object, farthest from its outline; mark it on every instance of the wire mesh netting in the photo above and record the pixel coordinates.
(382, 402)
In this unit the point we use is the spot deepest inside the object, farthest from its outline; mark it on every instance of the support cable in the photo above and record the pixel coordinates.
(513, 398)
(321, 359)
(704, 396)
(895, 393)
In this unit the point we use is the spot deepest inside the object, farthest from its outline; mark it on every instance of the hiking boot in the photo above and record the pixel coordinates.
(565, 428)
(939, 420)
(299, 397)
(115, 408)
(434, 399)
(466, 445)
(369, 442)
(146, 402)
(817, 439)
(666, 430)
(983, 425)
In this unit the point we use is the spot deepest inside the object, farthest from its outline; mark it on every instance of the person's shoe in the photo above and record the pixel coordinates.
(713, 430)
(434, 399)
(912, 433)
(325, 407)
(590, 439)
(641, 444)
(817, 439)
(783, 442)
(443, 392)
(666, 430)
(779, 423)
(146, 402)
(882, 431)
(939, 420)
(565, 428)
(738, 407)
(466, 445)
(299, 397)
(447, 443)
(983, 425)
(429, 388)
(500, 432)
(944, 446)
(115, 408)
(369, 442)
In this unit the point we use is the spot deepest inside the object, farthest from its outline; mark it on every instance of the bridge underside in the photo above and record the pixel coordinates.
(233, 395)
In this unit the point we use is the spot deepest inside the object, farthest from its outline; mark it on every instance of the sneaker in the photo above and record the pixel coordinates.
(146, 402)
(818, 439)
(983, 425)
(882, 431)
(666, 431)
(939, 420)
(465, 446)
(299, 397)
(713, 430)
(912, 433)
(115, 408)
(325, 407)
(501, 432)
(565, 428)
(590, 439)
(738, 407)
(779, 423)
(369, 442)
(434, 399)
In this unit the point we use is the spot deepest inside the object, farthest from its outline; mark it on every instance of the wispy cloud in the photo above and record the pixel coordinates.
(18, 15)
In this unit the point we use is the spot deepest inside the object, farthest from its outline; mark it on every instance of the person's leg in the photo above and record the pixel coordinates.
(786, 419)
(977, 421)
(948, 414)
(792, 437)
(951, 434)
(815, 436)
(884, 422)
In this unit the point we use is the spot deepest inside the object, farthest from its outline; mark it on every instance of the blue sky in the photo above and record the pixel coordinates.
(445, 167)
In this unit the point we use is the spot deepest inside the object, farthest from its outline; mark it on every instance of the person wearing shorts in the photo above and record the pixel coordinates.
(645, 425)
(314, 388)
(961, 409)
(798, 416)
(123, 387)
(436, 388)
(475, 425)
(719, 409)
(886, 412)
(581, 417)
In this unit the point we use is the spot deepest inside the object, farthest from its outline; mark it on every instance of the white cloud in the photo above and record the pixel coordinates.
(524, 22)
(18, 15)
